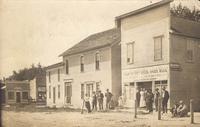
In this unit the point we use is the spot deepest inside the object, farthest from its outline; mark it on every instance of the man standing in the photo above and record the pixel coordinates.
(108, 96)
(94, 101)
(100, 97)
(156, 95)
(149, 101)
(165, 98)
(138, 98)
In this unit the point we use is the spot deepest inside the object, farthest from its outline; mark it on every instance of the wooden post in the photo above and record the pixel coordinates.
(135, 109)
(159, 108)
(191, 112)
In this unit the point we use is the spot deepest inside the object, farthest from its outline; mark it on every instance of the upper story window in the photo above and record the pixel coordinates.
(82, 63)
(130, 52)
(58, 75)
(67, 67)
(158, 48)
(97, 61)
(58, 91)
(49, 76)
(49, 91)
(190, 51)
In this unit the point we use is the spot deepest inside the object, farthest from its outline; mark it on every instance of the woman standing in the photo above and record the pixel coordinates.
(142, 98)
(87, 103)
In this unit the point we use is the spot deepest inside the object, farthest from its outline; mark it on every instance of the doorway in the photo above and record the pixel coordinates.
(18, 97)
(68, 92)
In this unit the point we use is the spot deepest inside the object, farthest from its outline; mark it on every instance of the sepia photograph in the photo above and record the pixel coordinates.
(99, 63)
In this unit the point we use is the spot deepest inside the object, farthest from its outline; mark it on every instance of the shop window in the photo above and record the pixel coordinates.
(58, 75)
(82, 63)
(67, 67)
(189, 51)
(89, 89)
(130, 53)
(11, 95)
(82, 91)
(158, 48)
(58, 91)
(24, 95)
(97, 86)
(97, 61)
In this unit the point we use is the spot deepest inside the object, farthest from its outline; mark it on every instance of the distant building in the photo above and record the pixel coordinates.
(38, 88)
(55, 85)
(17, 92)
(160, 50)
(91, 65)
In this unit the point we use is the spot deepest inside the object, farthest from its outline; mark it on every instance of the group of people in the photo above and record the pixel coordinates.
(98, 97)
(145, 98)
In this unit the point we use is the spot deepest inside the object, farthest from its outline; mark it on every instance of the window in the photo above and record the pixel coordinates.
(130, 52)
(82, 91)
(97, 61)
(58, 75)
(49, 91)
(58, 91)
(10, 95)
(89, 89)
(68, 92)
(158, 48)
(25, 95)
(49, 77)
(66, 67)
(189, 51)
(97, 86)
(82, 63)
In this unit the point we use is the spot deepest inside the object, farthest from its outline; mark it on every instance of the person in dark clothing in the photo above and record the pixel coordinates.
(94, 101)
(138, 98)
(165, 98)
(149, 101)
(156, 97)
(108, 96)
(87, 103)
(100, 97)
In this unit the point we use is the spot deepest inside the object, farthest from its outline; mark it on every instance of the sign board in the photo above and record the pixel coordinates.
(160, 72)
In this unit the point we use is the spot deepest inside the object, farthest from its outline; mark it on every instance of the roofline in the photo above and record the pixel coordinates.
(54, 65)
(180, 34)
(16, 82)
(146, 8)
(103, 46)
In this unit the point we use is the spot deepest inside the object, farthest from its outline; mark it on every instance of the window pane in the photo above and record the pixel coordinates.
(158, 48)
(49, 91)
(97, 61)
(67, 67)
(58, 91)
(82, 91)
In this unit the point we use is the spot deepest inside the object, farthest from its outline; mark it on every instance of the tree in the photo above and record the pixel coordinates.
(185, 12)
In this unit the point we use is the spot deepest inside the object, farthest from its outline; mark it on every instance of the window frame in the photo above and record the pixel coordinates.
(49, 92)
(23, 98)
(132, 52)
(58, 91)
(13, 98)
(82, 64)
(161, 48)
(190, 48)
(67, 66)
(97, 60)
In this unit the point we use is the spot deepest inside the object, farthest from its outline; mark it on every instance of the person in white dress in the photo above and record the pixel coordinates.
(142, 98)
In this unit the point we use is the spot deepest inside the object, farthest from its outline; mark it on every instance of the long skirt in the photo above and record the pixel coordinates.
(87, 105)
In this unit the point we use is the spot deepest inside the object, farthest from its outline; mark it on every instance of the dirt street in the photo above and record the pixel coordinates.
(96, 119)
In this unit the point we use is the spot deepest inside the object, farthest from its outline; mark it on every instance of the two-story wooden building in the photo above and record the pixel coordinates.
(91, 65)
(158, 50)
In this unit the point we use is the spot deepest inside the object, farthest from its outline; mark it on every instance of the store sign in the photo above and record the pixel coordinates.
(175, 67)
(146, 74)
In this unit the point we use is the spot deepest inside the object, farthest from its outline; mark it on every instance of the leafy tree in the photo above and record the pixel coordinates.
(185, 12)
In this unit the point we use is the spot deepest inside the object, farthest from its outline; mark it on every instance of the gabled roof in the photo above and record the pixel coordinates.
(185, 27)
(54, 65)
(98, 40)
(146, 8)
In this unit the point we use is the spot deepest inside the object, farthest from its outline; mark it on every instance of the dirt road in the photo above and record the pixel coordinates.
(96, 119)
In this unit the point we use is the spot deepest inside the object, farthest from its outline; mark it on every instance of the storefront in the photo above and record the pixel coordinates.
(146, 78)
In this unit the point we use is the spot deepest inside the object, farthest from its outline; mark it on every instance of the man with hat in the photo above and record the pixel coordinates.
(165, 98)
(182, 109)
(156, 97)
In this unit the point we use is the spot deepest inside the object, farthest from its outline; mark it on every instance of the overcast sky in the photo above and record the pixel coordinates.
(34, 31)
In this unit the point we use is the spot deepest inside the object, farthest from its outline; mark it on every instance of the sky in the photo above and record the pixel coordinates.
(38, 31)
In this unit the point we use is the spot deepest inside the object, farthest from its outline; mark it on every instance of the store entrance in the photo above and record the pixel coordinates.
(144, 85)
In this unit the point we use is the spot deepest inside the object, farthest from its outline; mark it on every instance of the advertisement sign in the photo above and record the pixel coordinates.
(160, 72)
